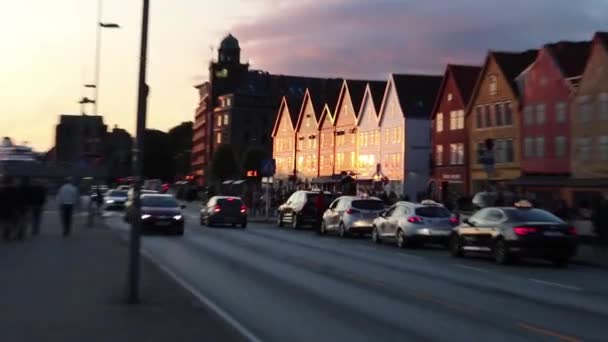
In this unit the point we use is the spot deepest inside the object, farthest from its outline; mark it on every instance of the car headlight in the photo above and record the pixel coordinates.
(145, 216)
(177, 217)
(109, 201)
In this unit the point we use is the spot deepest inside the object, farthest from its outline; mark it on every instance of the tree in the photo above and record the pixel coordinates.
(180, 144)
(223, 163)
(252, 160)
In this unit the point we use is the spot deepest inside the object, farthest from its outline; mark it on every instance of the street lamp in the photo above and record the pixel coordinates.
(135, 236)
(100, 25)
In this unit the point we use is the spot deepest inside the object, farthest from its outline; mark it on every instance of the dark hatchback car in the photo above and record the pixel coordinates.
(511, 232)
(301, 209)
(224, 210)
(160, 213)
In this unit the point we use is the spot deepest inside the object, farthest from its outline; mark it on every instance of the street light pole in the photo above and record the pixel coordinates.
(97, 54)
(134, 245)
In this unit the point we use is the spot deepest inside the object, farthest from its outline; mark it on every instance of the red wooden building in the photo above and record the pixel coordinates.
(450, 171)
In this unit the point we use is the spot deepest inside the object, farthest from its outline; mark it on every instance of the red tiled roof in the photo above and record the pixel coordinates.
(416, 93)
(571, 57)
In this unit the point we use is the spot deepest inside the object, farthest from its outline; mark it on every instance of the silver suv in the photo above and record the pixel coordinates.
(411, 223)
(351, 214)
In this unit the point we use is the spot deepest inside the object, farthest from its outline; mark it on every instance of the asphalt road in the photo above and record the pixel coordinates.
(276, 284)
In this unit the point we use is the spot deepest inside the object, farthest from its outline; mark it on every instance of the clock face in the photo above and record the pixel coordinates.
(221, 73)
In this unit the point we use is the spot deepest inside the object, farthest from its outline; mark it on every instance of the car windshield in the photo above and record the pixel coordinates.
(229, 202)
(532, 215)
(432, 212)
(158, 201)
(368, 204)
(118, 193)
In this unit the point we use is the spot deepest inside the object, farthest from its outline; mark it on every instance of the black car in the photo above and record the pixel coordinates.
(301, 209)
(224, 210)
(160, 213)
(511, 232)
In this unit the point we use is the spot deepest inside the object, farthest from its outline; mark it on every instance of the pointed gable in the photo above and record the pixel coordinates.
(288, 110)
(282, 116)
(465, 78)
(416, 93)
(570, 57)
(327, 119)
(511, 64)
(307, 107)
(372, 100)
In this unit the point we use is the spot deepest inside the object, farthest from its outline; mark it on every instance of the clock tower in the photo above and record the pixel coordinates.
(227, 73)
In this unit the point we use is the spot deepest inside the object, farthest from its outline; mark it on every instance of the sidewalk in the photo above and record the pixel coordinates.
(591, 255)
(73, 289)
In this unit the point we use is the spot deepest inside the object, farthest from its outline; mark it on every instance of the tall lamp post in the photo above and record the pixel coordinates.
(134, 243)
(100, 25)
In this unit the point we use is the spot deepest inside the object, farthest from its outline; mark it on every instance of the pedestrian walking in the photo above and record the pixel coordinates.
(67, 198)
(37, 201)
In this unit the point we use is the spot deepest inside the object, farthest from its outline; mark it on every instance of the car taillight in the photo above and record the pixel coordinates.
(415, 219)
(352, 211)
(525, 230)
(454, 220)
(217, 208)
(572, 231)
(243, 209)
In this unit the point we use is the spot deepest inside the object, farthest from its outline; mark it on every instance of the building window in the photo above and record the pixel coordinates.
(503, 151)
(603, 147)
(540, 147)
(498, 114)
(456, 119)
(456, 154)
(352, 160)
(529, 147)
(450, 97)
(226, 120)
(228, 102)
(218, 138)
(478, 118)
(439, 122)
(508, 114)
(603, 106)
(560, 146)
(584, 149)
(584, 109)
(560, 112)
(493, 85)
(528, 115)
(438, 155)
(540, 114)
(487, 116)
(219, 121)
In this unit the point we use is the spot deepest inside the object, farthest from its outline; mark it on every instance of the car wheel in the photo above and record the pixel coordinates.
(342, 231)
(323, 229)
(209, 222)
(560, 262)
(401, 239)
(501, 252)
(376, 236)
(280, 221)
(455, 246)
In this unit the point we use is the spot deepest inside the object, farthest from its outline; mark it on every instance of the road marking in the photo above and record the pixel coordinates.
(246, 333)
(472, 268)
(546, 332)
(550, 283)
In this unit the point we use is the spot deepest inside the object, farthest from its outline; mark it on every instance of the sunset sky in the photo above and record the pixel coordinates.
(48, 47)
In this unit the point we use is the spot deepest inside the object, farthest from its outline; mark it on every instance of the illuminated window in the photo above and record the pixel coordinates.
(456, 154)
(439, 155)
(218, 137)
(226, 120)
(439, 122)
(492, 85)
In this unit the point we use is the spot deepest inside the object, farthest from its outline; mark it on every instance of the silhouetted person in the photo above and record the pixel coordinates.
(37, 201)
(67, 198)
